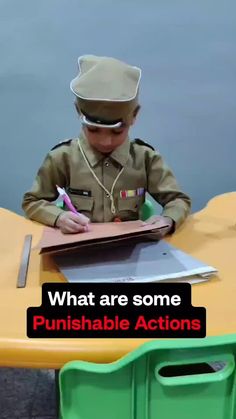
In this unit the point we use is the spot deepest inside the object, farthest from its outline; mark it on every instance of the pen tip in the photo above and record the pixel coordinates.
(60, 190)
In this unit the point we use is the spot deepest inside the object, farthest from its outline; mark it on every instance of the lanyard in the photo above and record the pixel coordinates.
(109, 193)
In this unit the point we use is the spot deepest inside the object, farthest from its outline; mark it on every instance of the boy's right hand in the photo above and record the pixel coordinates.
(69, 223)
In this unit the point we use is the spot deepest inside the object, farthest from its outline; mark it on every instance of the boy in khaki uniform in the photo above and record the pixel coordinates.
(105, 174)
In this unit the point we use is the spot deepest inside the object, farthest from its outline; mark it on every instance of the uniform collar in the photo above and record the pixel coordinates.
(120, 154)
(92, 155)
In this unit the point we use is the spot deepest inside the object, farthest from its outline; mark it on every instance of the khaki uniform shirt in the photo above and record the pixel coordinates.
(143, 170)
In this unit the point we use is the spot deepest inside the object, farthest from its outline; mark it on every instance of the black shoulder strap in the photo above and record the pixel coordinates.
(65, 142)
(141, 142)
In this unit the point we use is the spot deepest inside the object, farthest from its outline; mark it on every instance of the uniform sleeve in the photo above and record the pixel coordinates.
(164, 188)
(38, 202)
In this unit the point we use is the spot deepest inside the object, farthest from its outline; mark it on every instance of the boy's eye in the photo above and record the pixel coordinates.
(92, 129)
(117, 131)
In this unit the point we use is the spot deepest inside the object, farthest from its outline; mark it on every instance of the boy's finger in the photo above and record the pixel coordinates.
(79, 218)
(152, 220)
(73, 230)
(73, 226)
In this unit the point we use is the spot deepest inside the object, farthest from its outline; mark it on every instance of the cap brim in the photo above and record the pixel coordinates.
(86, 121)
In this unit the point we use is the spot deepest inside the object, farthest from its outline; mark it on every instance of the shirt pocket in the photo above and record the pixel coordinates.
(130, 208)
(82, 204)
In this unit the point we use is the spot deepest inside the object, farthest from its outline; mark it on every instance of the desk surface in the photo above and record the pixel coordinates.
(209, 235)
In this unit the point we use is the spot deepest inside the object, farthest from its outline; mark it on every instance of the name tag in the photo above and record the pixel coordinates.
(80, 192)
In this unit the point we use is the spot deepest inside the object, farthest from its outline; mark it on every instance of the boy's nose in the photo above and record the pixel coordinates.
(106, 141)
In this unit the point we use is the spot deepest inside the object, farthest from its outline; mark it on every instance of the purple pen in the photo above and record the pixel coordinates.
(67, 201)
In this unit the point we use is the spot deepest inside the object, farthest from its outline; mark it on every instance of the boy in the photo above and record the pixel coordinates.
(104, 173)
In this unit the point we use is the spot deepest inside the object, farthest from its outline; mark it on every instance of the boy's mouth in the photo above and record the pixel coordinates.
(105, 150)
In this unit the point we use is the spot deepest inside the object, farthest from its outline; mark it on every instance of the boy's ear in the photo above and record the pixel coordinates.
(77, 106)
(136, 111)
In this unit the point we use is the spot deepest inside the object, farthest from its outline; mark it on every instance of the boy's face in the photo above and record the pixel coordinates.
(106, 140)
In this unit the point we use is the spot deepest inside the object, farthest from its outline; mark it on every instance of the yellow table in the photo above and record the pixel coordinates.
(209, 235)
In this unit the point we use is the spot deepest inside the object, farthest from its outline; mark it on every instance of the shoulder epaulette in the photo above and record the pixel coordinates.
(141, 142)
(65, 142)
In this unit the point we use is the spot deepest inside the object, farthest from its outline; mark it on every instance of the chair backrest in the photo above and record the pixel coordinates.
(182, 379)
(147, 210)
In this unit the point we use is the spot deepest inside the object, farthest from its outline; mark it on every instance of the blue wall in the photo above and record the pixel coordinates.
(187, 51)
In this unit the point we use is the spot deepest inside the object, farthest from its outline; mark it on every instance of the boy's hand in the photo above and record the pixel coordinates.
(158, 221)
(69, 223)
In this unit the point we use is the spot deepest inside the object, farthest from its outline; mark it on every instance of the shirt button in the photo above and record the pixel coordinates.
(106, 163)
(107, 194)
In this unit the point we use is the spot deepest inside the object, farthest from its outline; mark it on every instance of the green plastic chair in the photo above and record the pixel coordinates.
(162, 379)
(147, 209)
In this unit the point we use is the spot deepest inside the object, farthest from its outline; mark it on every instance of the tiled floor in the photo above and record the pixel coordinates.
(27, 394)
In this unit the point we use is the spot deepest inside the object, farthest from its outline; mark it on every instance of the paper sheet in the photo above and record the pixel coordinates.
(132, 262)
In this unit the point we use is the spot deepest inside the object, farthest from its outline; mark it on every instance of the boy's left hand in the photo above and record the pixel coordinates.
(158, 221)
